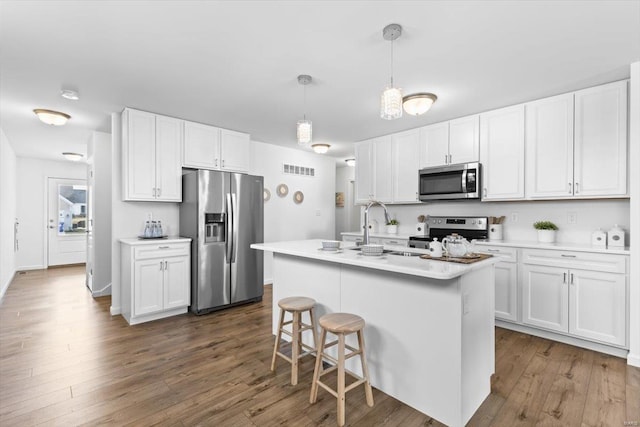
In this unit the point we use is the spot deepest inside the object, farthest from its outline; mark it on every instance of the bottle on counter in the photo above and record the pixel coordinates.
(147, 230)
(160, 230)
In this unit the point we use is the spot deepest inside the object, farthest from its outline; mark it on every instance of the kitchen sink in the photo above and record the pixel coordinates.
(404, 253)
(384, 251)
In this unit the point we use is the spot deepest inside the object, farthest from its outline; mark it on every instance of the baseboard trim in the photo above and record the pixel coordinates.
(115, 311)
(6, 285)
(102, 292)
(31, 267)
(267, 282)
(633, 360)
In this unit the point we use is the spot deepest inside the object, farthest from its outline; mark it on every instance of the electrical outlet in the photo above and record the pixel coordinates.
(318, 212)
(572, 218)
(514, 216)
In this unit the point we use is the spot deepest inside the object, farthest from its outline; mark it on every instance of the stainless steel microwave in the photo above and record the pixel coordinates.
(461, 181)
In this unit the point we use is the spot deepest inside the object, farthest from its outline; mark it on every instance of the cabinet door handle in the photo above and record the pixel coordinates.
(493, 250)
(159, 191)
(392, 242)
(222, 162)
(446, 159)
(571, 276)
(216, 162)
(164, 247)
(160, 265)
(577, 184)
(166, 265)
(153, 191)
(564, 277)
(450, 159)
(567, 256)
(570, 192)
(485, 192)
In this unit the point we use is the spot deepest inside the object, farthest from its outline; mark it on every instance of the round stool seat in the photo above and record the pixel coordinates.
(296, 303)
(342, 323)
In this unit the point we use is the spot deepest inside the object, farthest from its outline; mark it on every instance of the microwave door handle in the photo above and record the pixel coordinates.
(464, 181)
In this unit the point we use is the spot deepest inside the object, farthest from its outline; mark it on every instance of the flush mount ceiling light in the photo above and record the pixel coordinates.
(320, 148)
(50, 117)
(304, 129)
(74, 157)
(391, 98)
(418, 103)
(70, 94)
(351, 162)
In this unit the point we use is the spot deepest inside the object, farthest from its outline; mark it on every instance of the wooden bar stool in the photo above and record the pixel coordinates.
(341, 324)
(296, 306)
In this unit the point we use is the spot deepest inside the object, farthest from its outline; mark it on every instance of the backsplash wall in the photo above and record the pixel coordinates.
(520, 216)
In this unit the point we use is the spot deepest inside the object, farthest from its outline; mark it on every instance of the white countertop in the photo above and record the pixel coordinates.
(554, 246)
(378, 234)
(134, 241)
(414, 265)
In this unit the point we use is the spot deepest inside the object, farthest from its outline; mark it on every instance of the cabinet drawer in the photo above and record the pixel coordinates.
(352, 238)
(580, 260)
(161, 250)
(394, 242)
(505, 254)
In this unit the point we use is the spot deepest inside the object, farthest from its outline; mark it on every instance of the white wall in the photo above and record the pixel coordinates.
(634, 161)
(8, 212)
(127, 218)
(99, 260)
(31, 187)
(591, 214)
(284, 220)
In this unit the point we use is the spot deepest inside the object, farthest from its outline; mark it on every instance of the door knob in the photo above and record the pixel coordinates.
(52, 227)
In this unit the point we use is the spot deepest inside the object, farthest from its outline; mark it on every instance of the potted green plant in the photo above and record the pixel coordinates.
(546, 231)
(392, 226)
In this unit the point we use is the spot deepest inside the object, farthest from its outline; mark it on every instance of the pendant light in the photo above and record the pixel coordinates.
(74, 157)
(391, 98)
(304, 130)
(418, 103)
(50, 117)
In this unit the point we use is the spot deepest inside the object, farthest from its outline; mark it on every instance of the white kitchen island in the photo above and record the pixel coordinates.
(429, 324)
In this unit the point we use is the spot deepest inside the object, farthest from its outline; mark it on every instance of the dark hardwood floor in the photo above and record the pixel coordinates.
(65, 361)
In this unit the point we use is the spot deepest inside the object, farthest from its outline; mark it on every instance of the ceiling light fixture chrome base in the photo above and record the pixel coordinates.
(320, 148)
(418, 103)
(304, 129)
(71, 94)
(51, 117)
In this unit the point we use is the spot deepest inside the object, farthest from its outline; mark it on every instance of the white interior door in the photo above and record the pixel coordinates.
(67, 223)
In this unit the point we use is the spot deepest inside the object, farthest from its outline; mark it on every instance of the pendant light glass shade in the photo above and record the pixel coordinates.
(50, 117)
(304, 132)
(391, 103)
(418, 103)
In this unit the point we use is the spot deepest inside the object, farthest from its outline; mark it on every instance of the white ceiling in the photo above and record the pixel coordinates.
(234, 64)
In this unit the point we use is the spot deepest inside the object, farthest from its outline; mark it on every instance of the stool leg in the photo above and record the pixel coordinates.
(277, 344)
(312, 317)
(341, 417)
(365, 370)
(316, 371)
(295, 347)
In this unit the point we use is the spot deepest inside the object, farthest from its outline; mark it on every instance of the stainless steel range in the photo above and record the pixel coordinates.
(469, 227)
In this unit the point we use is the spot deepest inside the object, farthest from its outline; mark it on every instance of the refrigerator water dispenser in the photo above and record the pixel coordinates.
(214, 227)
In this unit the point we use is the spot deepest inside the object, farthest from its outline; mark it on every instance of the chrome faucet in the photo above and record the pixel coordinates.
(365, 237)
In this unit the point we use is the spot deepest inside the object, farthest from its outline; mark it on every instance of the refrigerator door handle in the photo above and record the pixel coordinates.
(229, 227)
(235, 225)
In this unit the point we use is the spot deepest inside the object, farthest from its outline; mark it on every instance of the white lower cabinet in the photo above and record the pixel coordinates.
(506, 279)
(568, 293)
(155, 279)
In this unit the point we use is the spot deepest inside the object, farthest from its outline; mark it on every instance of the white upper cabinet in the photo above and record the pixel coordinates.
(456, 141)
(502, 153)
(209, 147)
(601, 141)
(464, 140)
(577, 144)
(434, 145)
(405, 165)
(234, 150)
(201, 149)
(383, 181)
(549, 145)
(151, 157)
(364, 171)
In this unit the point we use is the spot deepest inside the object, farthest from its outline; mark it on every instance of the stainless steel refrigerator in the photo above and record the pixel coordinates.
(222, 213)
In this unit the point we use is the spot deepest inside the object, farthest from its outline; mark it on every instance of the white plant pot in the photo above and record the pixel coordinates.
(546, 236)
(392, 229)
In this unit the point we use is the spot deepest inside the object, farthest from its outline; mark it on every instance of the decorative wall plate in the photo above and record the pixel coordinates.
(266, 194)
(298, 197)
(282, 190)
